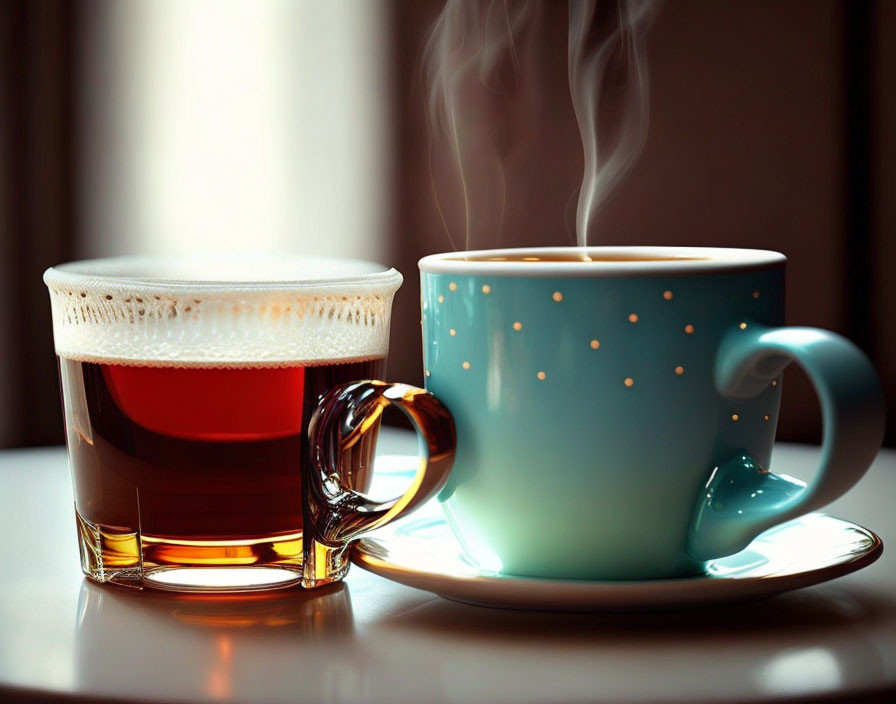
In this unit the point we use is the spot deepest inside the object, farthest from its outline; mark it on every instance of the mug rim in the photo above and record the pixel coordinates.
(310, 272)
(676, 261)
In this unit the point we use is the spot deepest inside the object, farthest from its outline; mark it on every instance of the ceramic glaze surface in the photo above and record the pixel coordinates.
(589, 404)
(423, 553)
(590, 417)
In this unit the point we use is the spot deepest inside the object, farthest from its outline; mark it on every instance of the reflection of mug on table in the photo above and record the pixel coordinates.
(206, 644)
(190, 386)
(616, 407)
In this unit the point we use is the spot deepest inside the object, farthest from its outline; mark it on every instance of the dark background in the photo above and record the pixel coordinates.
(773, 125)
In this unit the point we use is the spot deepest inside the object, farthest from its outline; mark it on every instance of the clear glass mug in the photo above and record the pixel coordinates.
(221, 416)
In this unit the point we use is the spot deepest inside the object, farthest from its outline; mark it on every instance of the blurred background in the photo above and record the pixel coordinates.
(130, 126)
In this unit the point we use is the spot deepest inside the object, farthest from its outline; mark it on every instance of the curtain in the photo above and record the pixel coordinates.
(37, 207)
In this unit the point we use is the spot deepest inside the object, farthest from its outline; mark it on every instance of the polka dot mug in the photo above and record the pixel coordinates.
(616, 406)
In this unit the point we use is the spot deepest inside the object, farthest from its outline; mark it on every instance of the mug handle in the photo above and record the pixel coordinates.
(333, 513)
(741, 499)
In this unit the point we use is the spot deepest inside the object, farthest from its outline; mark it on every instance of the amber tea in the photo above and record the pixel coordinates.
(177, 466)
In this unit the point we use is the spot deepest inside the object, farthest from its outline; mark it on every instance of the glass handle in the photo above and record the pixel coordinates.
(334, 513)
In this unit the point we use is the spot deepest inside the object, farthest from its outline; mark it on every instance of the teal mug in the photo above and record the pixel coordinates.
(616, 407)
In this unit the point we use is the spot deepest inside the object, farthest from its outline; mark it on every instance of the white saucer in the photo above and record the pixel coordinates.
(421, 552)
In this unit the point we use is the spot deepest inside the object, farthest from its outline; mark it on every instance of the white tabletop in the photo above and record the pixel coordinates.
(372, 640)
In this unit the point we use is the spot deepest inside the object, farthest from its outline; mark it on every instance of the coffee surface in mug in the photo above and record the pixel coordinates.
(581, 258)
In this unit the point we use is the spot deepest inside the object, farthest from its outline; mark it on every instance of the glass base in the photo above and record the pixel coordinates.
(127, 558)
(221, 579)
(324, 565)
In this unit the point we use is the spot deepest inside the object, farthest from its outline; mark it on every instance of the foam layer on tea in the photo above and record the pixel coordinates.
(221, 311)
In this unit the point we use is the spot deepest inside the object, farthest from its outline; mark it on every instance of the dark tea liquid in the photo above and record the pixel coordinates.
(177, 466)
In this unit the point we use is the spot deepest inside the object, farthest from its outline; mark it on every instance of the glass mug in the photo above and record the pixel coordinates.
(221, 416)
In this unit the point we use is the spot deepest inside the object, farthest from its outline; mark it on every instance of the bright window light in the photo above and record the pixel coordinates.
(235, 126)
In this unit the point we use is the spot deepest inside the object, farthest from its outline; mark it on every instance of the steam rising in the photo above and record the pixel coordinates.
(480, 83)
(591, 62)
(475, 45)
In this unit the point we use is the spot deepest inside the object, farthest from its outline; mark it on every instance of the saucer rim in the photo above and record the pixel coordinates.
(534, 593)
